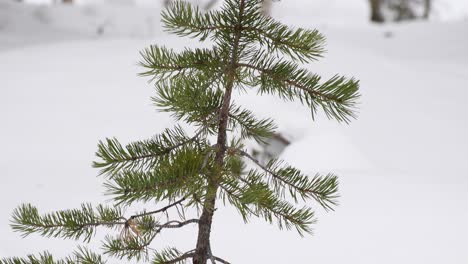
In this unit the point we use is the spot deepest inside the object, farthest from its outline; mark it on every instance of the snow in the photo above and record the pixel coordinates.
(402, 163)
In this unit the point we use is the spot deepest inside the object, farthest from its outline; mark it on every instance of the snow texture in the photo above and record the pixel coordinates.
(69, 79)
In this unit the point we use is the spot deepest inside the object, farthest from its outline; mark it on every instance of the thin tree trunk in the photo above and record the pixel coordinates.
(203, 249)
(404, 11)
(427, 9)
(376, 11)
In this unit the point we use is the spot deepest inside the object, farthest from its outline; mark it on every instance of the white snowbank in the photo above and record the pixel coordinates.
(402, 164)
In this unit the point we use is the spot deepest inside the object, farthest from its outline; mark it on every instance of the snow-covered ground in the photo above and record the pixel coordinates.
(68, 78)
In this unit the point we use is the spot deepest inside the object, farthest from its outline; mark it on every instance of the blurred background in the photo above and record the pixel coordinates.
(68, 78)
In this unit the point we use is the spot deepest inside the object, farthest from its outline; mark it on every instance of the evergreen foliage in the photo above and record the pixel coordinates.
(190, 172)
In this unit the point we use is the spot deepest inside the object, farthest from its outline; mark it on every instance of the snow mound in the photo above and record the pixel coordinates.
(23, 25)
(319, 150)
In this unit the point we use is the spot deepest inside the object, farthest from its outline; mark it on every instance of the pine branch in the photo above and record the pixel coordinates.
(299, 44)
(82, 223)
(135, 246)
(194, 99)
(177, 224)
(129, 247)
(323, 189)
(183, 19)
(337, 96)
(221, 260)
(161, 210)
(214, 258)
(140, 155)
(43, 258)
(177, 175)
(250, 127)
(72, 224)
(234, 165)
(172, 255)
(81, 255)
(85, 256)
(302, 44)
(267, 205)
(161, 63)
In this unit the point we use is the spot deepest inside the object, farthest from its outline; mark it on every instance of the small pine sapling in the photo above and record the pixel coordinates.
(191, 173)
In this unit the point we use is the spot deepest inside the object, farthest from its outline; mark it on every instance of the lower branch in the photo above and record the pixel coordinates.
(182, 257)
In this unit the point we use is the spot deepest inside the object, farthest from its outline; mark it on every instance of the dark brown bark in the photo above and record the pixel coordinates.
(203, 249)
(376, 11)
